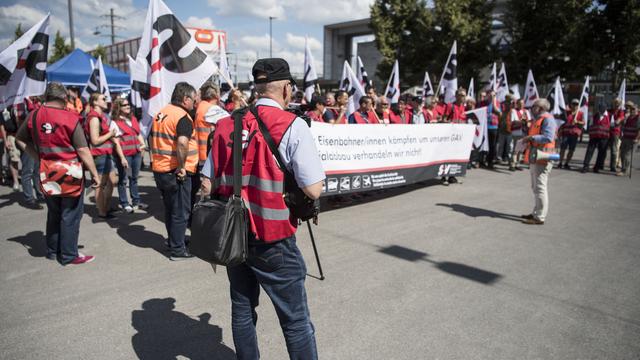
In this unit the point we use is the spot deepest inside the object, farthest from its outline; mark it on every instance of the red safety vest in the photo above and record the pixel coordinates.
(570, 128)
(522, 116)
(630, 128)
(359, 119)
(536, 126)
(106, 147)
(55, 133)
(262, 179)
(456, 114)
(617, 114)
(129, 140)
(430, 116)
(600, 127)
(313, 115)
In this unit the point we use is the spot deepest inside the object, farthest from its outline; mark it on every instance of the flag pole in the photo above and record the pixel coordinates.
(444, 72)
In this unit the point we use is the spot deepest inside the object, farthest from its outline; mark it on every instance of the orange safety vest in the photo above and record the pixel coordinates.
(164, 139)
(203, 129)
(535, 130)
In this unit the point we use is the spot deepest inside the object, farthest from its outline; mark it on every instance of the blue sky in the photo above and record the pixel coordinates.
(246, 23)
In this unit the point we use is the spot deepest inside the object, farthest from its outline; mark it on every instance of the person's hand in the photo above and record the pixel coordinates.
(181, 173)
(113, 133)
(95, 181)
(8, 146)
(143, 147)
(124, 162)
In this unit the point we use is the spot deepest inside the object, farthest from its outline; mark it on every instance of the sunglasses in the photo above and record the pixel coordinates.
(125, 105)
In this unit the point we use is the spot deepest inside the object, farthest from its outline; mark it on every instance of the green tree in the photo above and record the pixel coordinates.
(553, 38)
(18, 32)
(421, 37)
(100, 51)
(617, 24)
(60, 48)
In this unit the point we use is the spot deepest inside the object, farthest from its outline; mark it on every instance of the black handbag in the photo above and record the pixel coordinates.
(300, 205)
(219, 228)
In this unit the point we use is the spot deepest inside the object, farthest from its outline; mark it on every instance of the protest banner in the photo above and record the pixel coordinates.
(360, 158)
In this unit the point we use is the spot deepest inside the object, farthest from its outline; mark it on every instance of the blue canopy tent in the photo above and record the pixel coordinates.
(75, 68)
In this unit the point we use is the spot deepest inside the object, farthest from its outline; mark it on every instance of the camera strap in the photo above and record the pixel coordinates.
(237, 151)
(272, 145)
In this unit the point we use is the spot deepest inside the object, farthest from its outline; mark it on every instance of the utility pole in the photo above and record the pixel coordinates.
(271, 36)
(113, 31)
(70, 5)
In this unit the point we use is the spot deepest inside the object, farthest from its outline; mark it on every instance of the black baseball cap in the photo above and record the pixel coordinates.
(272, 69)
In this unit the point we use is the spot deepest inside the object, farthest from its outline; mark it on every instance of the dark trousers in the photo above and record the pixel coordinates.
(134, 170)
(601, 145)
(63, 226)
(176, 197)
(493, 144)
(279, 268)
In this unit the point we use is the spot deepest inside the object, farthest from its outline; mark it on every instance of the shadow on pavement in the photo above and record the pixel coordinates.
(137, 235)
(479, 212)
(163, 333)
(465, 271)
(34, 242)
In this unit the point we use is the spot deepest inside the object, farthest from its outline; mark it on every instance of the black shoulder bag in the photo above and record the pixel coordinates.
(300, 205)
(219, 228)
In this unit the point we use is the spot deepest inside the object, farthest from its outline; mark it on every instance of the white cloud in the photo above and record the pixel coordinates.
(257, 43)
(203, 23)
(257, 8)
(298, 42)
(312, 11)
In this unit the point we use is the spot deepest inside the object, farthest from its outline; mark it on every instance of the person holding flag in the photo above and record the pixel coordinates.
(570, 132)
(598, 139)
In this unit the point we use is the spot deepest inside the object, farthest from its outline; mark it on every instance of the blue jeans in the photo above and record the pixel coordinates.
(63, 226)
(134, 169)
(30, 178)
(279, 268)
(176, 197)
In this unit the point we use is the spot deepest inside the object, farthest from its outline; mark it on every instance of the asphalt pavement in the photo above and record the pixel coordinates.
(418, 272)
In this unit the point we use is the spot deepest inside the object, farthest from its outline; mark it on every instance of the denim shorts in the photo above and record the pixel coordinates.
(104, 164)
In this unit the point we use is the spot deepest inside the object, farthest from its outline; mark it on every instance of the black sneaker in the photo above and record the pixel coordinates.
(453, 180)
(184, 256)
(33, 205)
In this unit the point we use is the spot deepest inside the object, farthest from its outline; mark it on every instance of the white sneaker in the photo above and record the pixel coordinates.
(128, 209)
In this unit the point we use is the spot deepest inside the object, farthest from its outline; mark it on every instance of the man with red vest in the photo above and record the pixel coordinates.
(365, 114)
(384, 112)
(273, 261)
(617, 118)
(208, 113)
(60, 138)
(598, 138)
(570, 132)
(540, 139)
(630, 136)
(174, 150)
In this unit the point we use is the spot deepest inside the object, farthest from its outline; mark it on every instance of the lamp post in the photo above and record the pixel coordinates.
(70, 5)
(271, 36)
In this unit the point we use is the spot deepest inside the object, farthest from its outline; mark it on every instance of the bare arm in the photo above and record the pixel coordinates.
(313, 191)
(94, 129)
(143, 147)
(205, 186)
(182, 148)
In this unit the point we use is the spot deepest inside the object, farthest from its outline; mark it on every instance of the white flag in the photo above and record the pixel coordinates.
(362, 74)
(139, 91)
(171, 55)
(310, 76)
(97, 82)
(492, 78)
(481, 138)
(393, 85)
(471, 91)
(515, 91)
(449, 79)
(351, 85)
(427, 88)
(622, 93)
(556, 98)
(530, 91)
(584, 102)
(502, 88)
(23, 65)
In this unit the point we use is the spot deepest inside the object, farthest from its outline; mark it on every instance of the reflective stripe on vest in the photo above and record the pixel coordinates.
(269, 214)
(55, 144)
(250, 180)
(600, 128)
(163, 141)
(56, 149)
(107, 146)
